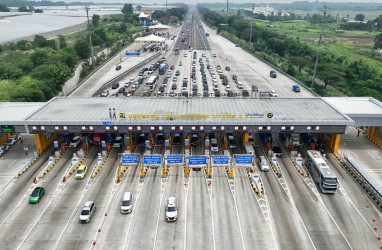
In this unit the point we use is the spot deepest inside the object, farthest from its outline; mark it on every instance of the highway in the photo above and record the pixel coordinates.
(219, 213)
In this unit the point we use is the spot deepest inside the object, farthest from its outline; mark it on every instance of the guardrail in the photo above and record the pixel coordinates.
(367, 182)
(106, 84)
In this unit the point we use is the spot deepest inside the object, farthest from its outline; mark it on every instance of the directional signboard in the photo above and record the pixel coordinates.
(174, 159)
(244, 159)
(152, 159)
(220, 160)
(134, 53)
(129, 159)
(197, 160)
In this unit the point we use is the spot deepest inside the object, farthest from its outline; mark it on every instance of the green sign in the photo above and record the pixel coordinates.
(7, 129)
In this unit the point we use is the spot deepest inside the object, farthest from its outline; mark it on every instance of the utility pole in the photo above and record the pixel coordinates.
(250, 34)
(318, 47)
(166, 13)
(90, 36)
(226, 19)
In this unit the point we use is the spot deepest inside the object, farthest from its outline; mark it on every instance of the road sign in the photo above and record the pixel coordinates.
(174, 159)
(129, 159)
(106, 123)
(220, 160)
(197, 160)
(244, 159)
(152, 159)
(134, 53)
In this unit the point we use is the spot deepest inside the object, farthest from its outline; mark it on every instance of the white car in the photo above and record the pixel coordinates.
(149, 71)
(174, 79)
(227, 88)
(75, 141)
(273, 93)
(171, 209)
(213, 55)
(185, 54)
(105, 93)
(168, 75)
(214, 145)
(87, 212)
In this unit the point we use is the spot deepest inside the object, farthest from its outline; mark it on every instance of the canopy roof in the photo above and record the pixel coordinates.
(150, 38)
(159, 26)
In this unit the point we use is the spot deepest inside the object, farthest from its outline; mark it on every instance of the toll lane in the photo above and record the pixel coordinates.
(80, 236)
(199, 215)
(257, 234)
(228, 232)
(17, 227)
(45, 234)
(142, 235)
(172, 234)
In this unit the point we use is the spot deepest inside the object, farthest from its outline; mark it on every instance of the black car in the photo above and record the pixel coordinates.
(160, 139)
(217, 93)
(118, 67)
(115, 85)
(172, 67)
(140, 80)
(205, 93)
(161, 88)
(227, 68)
(121, 90)
(230, 93)
(194, 140)
(245, 93)
(277, 151)
(254, 88)
(194, 93)
(177, 140)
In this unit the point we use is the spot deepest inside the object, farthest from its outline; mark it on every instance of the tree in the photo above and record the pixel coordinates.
(23, 9)
(61, 41)
(38, 11)
(360, 17)
(139, 8)
(127, 9)
(82, 49)
(41, 42)
(330, 73)
(238, 12)
(39, 57)
(95, 19)
(4, 8)
(378, 41)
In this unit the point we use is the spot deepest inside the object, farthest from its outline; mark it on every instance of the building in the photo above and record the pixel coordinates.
(145, 17)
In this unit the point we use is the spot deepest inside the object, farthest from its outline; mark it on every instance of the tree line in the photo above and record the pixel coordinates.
(354, 78)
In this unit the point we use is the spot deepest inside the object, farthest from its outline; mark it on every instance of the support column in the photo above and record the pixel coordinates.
(42, 143)
(245, 137)
(334, 142)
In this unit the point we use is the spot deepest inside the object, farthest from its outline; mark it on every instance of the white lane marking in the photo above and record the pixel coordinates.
(163, 187)
(186, 187)
(212, 214)
(355, 154)
(10, 165)
(137, 201)
(232, 183)
(371, 155)
(4, 176)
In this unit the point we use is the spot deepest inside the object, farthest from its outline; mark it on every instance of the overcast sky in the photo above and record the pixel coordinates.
(213, 1)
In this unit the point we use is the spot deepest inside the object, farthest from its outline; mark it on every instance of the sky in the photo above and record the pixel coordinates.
(213, 1)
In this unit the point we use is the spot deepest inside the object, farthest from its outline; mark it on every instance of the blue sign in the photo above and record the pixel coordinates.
(129, 159)
(106, 123)
(152, 159)
(220, 160)
(244, 159)
(174, 159)
(197, 160)
(135, 53)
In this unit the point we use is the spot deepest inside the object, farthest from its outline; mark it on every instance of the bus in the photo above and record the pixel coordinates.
(152, 82)
(321, 172)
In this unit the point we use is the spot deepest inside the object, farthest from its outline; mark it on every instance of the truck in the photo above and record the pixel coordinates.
(97, 138)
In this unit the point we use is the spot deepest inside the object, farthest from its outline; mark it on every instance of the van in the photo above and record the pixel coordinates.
(127, 203)
(264, 164)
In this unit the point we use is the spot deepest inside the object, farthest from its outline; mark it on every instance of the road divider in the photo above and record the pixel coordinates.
(51, 163)
(100, 164)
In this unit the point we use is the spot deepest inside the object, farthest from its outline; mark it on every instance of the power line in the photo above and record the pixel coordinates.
(318, 46)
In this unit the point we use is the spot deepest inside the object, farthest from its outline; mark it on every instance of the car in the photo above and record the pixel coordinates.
(194, 140)
(141, 140)
(121, 90)
(171, 93)
(75, 141)
(160, 138)
(273, 93)
(177, 73)
(149, 71)
(127, 203)
(105, 93)
(36, 195)
(171, 209)
(4, 148)
(140, 80)
(126, 85)
(234, 77)
(227, 68)
(296, 88)
(217, 93)
(87, 212)
(254, 88)
(177, 139)
(273, 74)
(81, 172)
(214, 145)
(227, 88)
(245, 93)
(11, 141)
(118, 142)
(237, 45)
(218, 67)
(277, 151)
(232, 142)
(229, 93)
(118, 67)
(213, 55)
(115, 85)
(172, 67)
(185, 55)
(168, 75)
